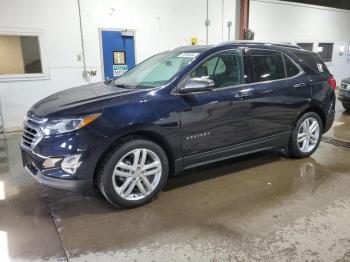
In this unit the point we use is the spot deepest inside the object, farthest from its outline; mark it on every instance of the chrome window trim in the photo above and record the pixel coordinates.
(301, 72)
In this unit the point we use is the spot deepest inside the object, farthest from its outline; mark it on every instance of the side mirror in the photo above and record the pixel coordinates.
(197, 84)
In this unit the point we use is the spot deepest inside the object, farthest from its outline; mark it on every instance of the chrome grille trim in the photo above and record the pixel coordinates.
(32, 134)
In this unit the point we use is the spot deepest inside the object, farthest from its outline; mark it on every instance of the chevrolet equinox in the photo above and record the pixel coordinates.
(176, 110)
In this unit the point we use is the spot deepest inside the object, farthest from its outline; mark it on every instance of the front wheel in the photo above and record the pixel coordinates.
(134, 173)
(306, 135)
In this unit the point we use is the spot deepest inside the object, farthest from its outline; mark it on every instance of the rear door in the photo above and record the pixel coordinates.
(281, 92)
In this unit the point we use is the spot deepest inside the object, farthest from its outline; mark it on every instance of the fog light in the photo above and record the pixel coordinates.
(70, 164)
(51, 162)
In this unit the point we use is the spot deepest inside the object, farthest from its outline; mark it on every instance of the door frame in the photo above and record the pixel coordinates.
(101, 46)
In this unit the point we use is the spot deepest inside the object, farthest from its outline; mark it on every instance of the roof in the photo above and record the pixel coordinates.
(202, 48)
(193, 48)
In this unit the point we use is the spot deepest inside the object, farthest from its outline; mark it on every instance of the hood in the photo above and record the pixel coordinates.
(346, 80)
(74, 101)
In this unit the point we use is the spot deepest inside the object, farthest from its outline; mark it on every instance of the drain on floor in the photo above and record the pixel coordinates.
(335, 142)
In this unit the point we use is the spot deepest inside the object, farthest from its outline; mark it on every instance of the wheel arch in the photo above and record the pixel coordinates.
(153, 136)
(316, 110)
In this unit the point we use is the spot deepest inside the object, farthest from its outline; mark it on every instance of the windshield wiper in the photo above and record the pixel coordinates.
(122, 85)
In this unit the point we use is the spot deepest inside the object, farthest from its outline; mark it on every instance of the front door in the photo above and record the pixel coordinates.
(118, 52)
(219, 118)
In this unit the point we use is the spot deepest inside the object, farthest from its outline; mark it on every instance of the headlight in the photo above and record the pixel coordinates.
(60, 126)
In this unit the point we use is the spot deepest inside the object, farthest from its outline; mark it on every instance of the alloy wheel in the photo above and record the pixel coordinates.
(308, 135)
(137, 174)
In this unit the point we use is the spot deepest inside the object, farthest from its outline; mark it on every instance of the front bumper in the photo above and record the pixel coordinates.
(53, 178)
(81, 186)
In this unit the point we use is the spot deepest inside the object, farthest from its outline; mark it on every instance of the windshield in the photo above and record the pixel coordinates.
(155, 71)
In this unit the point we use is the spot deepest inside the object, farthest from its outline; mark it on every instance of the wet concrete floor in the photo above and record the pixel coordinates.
(261, 207)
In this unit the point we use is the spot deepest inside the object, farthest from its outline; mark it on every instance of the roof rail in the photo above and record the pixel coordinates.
(260, 43)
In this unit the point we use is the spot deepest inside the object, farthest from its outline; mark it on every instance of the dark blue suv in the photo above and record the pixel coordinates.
(178, 109)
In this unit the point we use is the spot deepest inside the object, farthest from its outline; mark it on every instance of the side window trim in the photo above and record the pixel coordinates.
(245, 52)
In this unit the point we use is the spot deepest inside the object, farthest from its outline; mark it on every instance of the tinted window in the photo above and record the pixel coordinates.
(312, 61)
(291, 68)
(225, 69)
(268, 66)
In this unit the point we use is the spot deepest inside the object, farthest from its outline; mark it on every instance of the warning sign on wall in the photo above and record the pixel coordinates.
(118, 70)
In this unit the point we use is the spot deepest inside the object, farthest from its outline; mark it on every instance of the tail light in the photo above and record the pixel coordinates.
(332, 82)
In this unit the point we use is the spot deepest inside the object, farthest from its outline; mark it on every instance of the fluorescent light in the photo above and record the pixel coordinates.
(2, 191)
(4, 250)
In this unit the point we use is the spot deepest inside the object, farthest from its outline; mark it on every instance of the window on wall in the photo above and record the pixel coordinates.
(326, 51)
(20, 55)
(306, 46)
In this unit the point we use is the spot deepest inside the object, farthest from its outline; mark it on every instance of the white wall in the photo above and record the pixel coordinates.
(279, 21)
(58, 25)
(159, 25)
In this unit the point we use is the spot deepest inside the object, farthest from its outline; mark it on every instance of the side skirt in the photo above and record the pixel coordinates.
(279, 140)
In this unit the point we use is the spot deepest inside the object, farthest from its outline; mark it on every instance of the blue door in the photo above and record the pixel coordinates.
(118, 53)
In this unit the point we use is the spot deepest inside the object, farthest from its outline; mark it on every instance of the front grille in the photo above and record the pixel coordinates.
(31, 132)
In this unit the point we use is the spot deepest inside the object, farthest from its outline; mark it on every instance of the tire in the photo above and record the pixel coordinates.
(300, 149)
(346, 106)
(119, 173)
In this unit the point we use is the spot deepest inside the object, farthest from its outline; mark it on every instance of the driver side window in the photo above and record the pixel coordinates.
(225, 69)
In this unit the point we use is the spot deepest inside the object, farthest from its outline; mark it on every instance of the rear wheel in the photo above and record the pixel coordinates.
(346, 106)
(134, 173)
(306, 135)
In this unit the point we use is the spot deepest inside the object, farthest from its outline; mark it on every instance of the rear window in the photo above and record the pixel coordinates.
(312, 61)
(268, 66)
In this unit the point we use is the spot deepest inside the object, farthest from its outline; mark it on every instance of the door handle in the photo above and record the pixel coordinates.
(299, 85)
